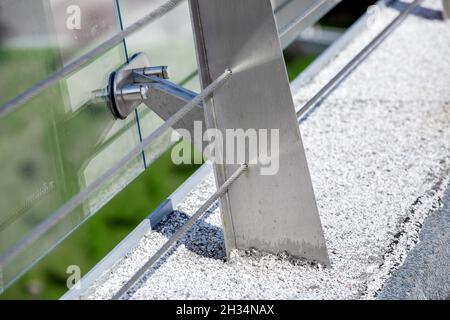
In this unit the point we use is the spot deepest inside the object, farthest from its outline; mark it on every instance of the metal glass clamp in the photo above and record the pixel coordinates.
(136, 83)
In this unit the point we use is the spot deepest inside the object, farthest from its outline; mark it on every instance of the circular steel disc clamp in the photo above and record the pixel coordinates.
(124, 95)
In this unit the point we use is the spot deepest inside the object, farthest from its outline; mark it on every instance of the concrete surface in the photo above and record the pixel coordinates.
(379, 154)
(425, 274)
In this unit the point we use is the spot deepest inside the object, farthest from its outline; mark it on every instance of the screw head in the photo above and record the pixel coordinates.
(144, 91)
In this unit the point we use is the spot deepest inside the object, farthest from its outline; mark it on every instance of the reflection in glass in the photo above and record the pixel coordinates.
(59, 142)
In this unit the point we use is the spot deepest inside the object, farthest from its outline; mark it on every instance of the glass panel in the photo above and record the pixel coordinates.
(168, 41)
(55, 145)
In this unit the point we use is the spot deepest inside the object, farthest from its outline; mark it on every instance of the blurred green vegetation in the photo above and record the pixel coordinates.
(296, 64)
(102, 232)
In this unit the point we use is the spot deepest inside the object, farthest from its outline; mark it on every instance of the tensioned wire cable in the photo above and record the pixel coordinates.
(84, 59)
(180, 232)
(65, 210)
(165, 8)
(355, 62)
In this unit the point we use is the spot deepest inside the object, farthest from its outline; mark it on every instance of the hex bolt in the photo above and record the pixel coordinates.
(134, 92)
(159, 71)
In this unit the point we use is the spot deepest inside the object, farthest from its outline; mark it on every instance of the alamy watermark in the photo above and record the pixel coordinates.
(74, 279)
(373, 15)
(73, 21)
(234, 146)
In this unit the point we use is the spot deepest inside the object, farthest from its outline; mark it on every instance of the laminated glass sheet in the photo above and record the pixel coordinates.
(59, 142)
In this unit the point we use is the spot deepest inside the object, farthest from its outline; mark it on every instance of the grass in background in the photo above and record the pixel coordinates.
(295, 65)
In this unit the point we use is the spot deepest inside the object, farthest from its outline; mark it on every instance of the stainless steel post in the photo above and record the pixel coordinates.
(273, 213)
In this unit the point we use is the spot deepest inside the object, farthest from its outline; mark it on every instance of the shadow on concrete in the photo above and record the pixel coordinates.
(202, 239)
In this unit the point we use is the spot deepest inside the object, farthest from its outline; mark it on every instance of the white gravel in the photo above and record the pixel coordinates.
(379, 154)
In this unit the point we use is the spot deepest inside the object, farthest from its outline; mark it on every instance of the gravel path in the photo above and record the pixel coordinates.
(379, 156)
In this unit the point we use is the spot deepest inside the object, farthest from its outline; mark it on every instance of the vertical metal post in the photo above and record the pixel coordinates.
(273, 213)
(446, 7)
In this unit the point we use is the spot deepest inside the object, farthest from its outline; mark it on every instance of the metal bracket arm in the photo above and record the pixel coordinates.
(136, 83)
